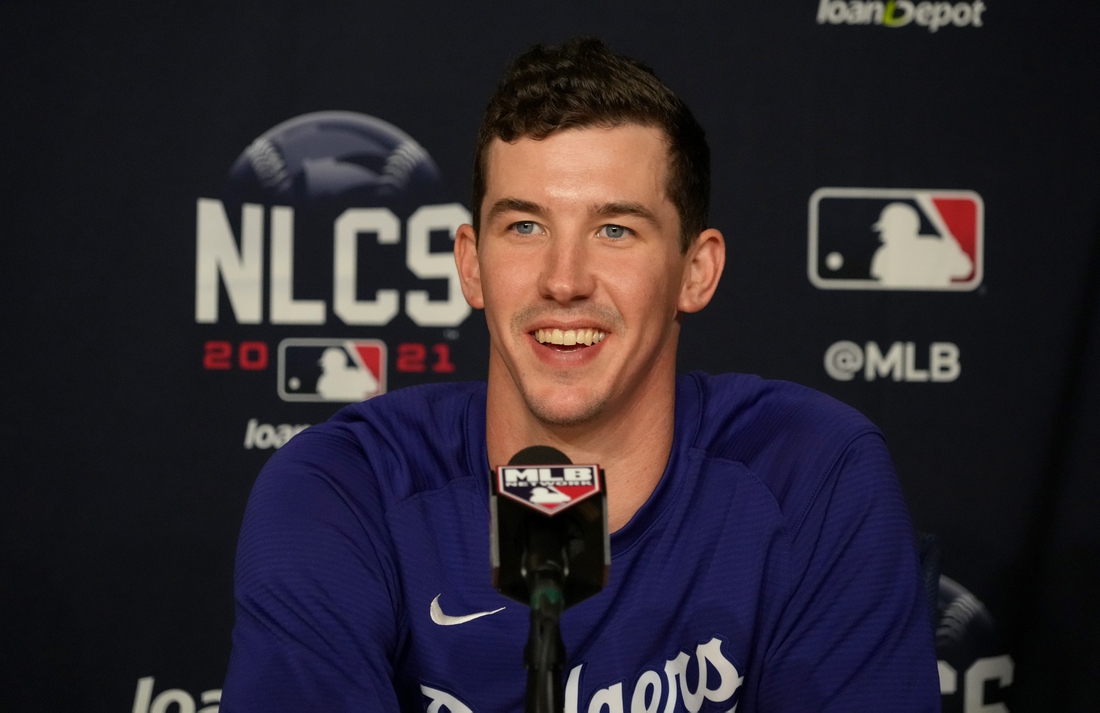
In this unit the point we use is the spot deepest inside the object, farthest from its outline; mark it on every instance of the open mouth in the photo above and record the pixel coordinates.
(569, 339)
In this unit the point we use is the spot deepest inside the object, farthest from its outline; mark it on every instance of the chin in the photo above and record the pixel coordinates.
(565, 412)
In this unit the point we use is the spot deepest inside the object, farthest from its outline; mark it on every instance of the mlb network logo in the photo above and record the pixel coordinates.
(892, 239)
(549, 489)
(338, 370)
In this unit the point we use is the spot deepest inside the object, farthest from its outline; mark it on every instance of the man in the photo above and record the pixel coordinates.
(761, 552)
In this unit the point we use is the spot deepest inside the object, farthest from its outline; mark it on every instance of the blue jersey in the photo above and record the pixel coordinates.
(772, 569)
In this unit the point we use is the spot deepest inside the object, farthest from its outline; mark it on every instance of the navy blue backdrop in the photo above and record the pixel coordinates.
(202, 202)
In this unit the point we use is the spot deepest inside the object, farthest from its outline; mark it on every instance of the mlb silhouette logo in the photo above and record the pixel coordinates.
(548, 488)
(891, 239)
(337, 370)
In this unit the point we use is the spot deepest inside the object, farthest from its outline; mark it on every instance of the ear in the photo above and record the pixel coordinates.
(702, 269)
(469, 269)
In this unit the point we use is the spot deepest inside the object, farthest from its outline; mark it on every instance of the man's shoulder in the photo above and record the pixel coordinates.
(790, 436)
(397, 444)
(740, 413)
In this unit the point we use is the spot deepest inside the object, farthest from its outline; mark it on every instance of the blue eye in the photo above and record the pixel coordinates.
(525, 227)
(614, 231)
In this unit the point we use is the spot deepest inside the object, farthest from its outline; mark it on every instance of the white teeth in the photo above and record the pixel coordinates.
(569, 337)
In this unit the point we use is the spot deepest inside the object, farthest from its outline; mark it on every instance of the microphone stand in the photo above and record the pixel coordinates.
(545, 650)
(547, 558)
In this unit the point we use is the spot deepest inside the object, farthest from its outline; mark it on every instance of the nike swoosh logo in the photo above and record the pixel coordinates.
(444, 620)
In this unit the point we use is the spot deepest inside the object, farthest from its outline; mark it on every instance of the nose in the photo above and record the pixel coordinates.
(566, 274)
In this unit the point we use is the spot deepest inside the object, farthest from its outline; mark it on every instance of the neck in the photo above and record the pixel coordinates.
(630, 441)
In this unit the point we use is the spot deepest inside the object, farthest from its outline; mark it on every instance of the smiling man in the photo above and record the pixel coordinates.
(583, 275)
(761, 552)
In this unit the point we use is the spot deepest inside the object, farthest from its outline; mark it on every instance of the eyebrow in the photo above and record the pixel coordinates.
(616, 208)
(606, 210)
(504, 205)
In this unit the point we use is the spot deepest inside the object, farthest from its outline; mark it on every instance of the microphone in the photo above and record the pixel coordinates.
(550, 549)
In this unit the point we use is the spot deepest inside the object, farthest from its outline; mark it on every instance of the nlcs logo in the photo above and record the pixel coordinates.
(549, 488)
(351, 188)
(329, 214)
(886, 239)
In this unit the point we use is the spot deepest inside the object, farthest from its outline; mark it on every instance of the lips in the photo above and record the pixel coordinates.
(569, 337)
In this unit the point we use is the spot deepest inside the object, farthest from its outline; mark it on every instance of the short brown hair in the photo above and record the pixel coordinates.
(582, 83)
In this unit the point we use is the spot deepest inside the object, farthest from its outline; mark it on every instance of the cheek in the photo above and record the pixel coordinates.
(645, 288)
(504, 288)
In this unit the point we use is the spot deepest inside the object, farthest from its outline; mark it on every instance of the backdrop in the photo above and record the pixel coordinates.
(223, 221)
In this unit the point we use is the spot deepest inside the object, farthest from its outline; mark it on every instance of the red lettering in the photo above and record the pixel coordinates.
(411, 357)
(218, 356)
(443, 363)
(252, 356)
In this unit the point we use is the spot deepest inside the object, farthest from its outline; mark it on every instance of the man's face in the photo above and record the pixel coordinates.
(579, 270)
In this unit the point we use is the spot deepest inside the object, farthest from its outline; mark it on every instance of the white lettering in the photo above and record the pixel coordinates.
(838, 12)
(514, 475)
(546, 477)
(878, 365)
(647, 693)
(671, 671)
(610, 698)
(728, 683)
(428, 265)
(217, 255)
(962, 14)
(978, 8)
(264, 435)
(942, 16)
(943, 361)
(693, 700)
(284, 309)
(994, 668)
(143, 694)
(578, 475)
(212, 697)
(386, 228)
(183, 701)
(923, 16)
(855, 12)
(949, 679)
(572, 689)
(648, 688)
(220, 262)
(441, 700)
(844, 359)
(728, 679)
(912, 373)
(898, 13)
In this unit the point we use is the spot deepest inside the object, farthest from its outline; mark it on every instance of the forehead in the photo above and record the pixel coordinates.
(628, 162)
